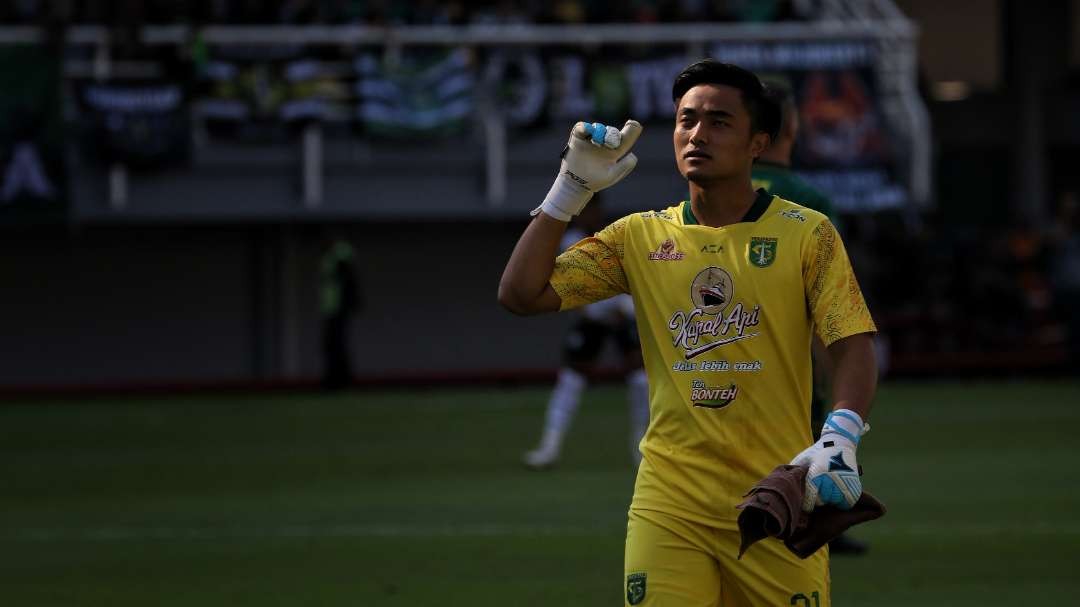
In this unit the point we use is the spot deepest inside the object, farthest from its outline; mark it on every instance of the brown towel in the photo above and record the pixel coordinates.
(773, 507)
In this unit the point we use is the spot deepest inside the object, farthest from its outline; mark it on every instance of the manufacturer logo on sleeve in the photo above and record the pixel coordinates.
(762, 251)
(666, 252)
(795, 214)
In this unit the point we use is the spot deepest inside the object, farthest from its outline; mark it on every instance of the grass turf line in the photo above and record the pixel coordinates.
(409, 498)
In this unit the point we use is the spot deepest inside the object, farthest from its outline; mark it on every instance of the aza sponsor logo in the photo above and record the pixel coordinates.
(712, 248)
(667, 251)
(712, 397)
(716, 319)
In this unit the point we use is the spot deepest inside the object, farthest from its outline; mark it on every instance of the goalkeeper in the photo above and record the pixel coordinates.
(728, 287)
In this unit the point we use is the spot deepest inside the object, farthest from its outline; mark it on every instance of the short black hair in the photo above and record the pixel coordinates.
(764, 114)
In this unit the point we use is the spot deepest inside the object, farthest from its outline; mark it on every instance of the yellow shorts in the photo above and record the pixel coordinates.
(671, 562)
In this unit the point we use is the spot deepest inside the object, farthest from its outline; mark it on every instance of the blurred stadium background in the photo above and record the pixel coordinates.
(174, 177)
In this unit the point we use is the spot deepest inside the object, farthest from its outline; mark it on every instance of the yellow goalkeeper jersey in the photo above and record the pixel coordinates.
(725, 318)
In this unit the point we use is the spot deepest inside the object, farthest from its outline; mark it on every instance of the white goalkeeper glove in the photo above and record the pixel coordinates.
(833, 475)
(596, 157)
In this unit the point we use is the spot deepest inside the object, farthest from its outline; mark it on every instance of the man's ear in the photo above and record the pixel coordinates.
(759, 142)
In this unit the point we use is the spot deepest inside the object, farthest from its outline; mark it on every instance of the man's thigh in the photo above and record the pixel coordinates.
(769, 574)
(668, 563)
(672, 562)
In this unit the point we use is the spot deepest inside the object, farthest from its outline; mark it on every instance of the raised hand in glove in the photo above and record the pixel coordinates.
(596, 157)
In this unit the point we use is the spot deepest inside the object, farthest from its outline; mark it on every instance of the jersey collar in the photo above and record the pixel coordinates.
(756, 210)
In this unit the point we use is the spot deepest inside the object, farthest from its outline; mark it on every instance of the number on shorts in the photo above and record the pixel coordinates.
(804, 601)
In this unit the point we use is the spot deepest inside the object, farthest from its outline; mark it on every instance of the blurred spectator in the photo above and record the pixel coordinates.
(22, 11)
(760, 10)
(340, 298)
(503, 12)
(583, 346)
(401, 12)
(1065, 267)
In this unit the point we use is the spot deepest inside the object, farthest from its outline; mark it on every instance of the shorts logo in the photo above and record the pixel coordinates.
(712, 397)
(762, 251)
(635, 588)
(666, 252)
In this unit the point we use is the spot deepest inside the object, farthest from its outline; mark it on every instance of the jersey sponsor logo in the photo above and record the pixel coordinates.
(717, 366)
(635, 587)
(762, 251)
(712, 397)
(716, 319)
(712, 248)
(657, 215)
(666, 252)
(795, 214)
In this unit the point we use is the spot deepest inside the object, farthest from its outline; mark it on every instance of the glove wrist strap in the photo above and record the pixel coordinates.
(846, 424)
(565, 199)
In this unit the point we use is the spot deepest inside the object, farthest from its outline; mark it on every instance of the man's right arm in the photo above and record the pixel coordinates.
(525, 288)
(596, 157)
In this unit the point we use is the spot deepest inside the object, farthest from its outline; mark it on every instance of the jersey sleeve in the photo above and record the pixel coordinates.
(835, 301)
(592, 269)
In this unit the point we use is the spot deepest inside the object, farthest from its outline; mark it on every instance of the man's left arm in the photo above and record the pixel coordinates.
(854, 373)
(843, 322)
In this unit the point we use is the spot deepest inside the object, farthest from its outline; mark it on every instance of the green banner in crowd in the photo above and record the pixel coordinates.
(33, 183)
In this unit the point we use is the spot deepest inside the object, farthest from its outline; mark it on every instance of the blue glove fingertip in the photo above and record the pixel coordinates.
(829, 493)
(598, 131)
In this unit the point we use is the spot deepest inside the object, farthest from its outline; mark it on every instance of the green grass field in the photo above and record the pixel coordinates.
(417, 498)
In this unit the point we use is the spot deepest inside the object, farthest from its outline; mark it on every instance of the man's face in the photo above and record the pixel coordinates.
(712, 134)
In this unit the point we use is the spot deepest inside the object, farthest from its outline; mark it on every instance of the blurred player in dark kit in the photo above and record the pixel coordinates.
(596, 324)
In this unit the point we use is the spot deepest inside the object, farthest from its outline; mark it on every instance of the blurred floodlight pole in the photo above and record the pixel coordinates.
(312, 159)
(495, 155)
(118, 186)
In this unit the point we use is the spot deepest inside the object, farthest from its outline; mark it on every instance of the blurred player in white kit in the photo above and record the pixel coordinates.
(583, 345)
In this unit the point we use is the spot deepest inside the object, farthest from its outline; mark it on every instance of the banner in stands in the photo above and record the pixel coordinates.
(843, 147)
(251, 92)
(33, 184)
(141, 125)
(416, 95)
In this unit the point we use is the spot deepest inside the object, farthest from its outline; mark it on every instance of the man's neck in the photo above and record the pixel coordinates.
(722, 203)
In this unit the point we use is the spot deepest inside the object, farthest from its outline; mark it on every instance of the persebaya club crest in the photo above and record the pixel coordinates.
(635, 588)
(762, 251)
